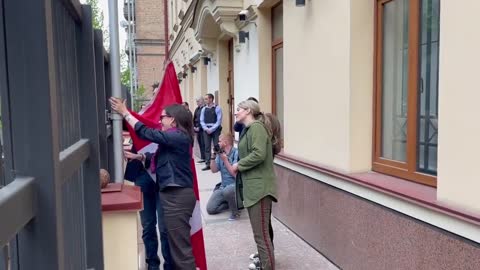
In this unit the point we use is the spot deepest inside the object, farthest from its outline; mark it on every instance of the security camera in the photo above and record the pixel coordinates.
(242, 16)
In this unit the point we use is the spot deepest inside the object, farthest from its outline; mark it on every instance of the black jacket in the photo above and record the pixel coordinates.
(173, 156)
(196, 117)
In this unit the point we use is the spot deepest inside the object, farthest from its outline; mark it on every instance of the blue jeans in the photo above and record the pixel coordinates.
(148, 217)
(222, 199)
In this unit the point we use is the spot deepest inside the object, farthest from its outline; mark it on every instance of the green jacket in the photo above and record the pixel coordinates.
(256, 164)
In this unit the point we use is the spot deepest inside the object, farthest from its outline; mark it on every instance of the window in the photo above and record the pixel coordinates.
(277, 62)
(406, 89)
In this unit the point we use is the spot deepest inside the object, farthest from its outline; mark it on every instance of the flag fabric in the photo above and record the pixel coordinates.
(169, 93)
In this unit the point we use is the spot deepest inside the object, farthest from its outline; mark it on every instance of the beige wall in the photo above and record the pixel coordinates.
(316, 81)
(459, 128)
(361, 84)
(264, 28)
(200, 80)
(222, 63)
(328, 76)
(120, 245)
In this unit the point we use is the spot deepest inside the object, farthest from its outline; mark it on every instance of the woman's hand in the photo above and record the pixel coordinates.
(130, 155)
(235, 167)
(118, 105)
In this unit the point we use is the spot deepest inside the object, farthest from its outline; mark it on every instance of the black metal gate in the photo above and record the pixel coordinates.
(53, 72)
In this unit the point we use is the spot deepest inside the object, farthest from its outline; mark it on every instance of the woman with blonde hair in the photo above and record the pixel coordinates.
(259, 142)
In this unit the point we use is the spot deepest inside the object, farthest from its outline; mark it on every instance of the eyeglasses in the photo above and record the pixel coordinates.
(164, 115)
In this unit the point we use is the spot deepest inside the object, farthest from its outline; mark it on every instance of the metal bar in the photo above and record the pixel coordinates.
(89, 123)
(101, 97)
(17, 207)
(4, 258)
(116, 90)
(427, 85)
(74, 8)
(134, 33)
(72, 158)
(31, 50)
(130, 52)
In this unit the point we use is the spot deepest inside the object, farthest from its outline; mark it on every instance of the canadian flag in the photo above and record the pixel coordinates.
(169, 93)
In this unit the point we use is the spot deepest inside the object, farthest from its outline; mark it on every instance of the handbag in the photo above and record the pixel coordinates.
(239, 191)
(239, 180)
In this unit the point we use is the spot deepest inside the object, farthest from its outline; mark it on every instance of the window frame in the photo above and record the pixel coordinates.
(276, 44)
(406, 170)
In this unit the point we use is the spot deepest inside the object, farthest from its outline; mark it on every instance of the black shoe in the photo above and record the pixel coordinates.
(201, 161)
(206, 168)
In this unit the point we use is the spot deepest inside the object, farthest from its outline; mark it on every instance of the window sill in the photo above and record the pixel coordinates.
(424, 196)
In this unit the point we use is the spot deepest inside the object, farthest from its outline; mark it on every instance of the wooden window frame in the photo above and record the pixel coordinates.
(406, 170)
(276, 44)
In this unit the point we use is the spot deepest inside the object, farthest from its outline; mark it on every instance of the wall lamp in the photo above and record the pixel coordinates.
(206, 60)
(242, 35)
(300, 3)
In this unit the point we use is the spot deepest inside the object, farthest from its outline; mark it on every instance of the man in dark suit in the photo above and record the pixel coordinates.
(198, 129)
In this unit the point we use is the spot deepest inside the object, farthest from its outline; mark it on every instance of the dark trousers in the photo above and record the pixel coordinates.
(208, 143)
(260, 221)
(178, 204)
(201, 143)
(148, 217)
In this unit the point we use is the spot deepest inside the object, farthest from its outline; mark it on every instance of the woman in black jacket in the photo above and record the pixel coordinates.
(174, 175)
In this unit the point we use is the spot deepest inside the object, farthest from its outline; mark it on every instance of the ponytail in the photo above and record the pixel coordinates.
(274, 130)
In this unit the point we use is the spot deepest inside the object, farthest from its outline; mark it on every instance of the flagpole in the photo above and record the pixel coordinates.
(116, 90)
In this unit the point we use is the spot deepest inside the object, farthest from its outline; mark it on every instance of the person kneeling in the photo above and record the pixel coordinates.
(223, 197)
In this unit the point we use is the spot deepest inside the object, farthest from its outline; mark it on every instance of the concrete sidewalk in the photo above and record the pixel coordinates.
(229, 243)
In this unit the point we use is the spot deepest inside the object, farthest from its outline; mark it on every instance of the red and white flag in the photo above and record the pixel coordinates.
(169, 93)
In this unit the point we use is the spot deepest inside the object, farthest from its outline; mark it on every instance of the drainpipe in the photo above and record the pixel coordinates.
(117, 119)
(165, 6)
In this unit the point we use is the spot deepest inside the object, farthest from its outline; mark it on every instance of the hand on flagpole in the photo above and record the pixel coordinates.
(130, 155)
(118, 105)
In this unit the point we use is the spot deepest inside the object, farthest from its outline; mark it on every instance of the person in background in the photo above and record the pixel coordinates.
(259, 142)
(238, 127)
(197, 127)
(187, 107)
(223, 197)
(211, 122)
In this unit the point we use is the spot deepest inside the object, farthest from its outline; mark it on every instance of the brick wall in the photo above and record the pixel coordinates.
(150, 42)
(150, 19)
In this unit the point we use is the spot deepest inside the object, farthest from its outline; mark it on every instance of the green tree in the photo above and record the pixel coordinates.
(140, 98)
(97, 14)
(97, 21)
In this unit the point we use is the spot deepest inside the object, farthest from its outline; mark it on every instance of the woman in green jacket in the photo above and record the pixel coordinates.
(256, 169)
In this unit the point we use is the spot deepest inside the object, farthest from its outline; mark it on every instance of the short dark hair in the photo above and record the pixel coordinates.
(253, 99)
(211, 96)
(183, 119)
(186, 104)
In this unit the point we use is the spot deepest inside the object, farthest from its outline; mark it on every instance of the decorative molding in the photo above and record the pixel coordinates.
(224, 13)
(181, 14)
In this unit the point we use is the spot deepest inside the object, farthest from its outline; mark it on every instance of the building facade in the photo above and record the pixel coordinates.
(148, 39)
(375, 97)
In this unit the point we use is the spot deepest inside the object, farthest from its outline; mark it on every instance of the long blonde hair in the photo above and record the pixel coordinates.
(270, 121)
